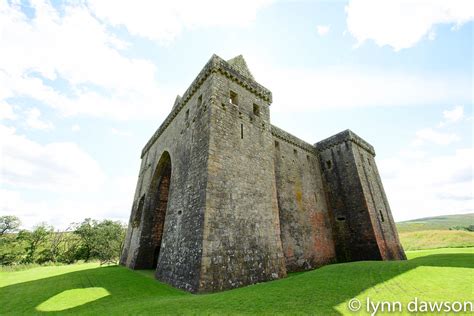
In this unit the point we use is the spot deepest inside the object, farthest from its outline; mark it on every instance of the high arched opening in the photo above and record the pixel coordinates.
(154, 214)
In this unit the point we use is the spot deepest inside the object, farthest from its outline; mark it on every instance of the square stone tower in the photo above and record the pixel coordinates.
(224, 199)
(205, 210)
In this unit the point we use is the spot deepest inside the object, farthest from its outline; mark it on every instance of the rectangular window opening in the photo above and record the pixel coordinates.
(233, 98)
(187, 115)
(329, 164)
(241, 131)
(256, 110)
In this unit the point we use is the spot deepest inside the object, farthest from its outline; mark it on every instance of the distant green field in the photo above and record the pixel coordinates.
(436, 223)
(430, 275)
(433, 232)
(429, 239)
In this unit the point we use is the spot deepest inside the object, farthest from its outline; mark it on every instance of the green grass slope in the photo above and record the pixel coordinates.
(436, 223)
(442, 275)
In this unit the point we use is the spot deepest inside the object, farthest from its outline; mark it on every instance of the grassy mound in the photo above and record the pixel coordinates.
(442, 274)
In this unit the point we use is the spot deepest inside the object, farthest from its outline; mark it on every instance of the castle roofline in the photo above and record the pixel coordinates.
(235, 69)
(239, 64)
(342, 137)
(289, 138)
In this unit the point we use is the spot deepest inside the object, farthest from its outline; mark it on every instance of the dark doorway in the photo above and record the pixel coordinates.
(161, 203)
(155, 208)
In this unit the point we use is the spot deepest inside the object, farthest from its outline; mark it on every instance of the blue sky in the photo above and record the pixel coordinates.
(84, 84)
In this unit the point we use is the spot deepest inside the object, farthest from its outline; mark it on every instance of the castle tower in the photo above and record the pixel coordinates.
(224, 199)
(363, 225)
(205, 214)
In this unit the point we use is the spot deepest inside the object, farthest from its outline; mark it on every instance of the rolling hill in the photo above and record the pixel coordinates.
(433, 232)
(436, 223)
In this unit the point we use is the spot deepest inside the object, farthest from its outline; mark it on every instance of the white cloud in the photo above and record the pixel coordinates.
(33, 120)
(432, 35)
(119, 132)
(297, 89)
(75, 128)
(323, 29)
(56, 167)
(454, 115)
(401, 24)
(75, 47)
(165, 20)
(6, 111)
(111, 201)
(433, 136)
(68, 184)
(430, 185)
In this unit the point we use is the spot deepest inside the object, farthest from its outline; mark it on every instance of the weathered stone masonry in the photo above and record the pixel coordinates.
(224, 199)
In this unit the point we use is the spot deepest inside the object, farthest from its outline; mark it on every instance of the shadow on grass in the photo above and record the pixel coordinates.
(318, 291)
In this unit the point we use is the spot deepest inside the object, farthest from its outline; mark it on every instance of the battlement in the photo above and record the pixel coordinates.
(344, 136)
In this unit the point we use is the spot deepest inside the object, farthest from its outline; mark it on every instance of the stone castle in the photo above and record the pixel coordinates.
(225, 199)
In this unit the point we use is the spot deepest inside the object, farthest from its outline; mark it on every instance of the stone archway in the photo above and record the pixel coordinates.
(154, 215)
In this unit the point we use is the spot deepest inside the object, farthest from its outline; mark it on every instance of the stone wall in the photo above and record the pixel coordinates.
(225, 199)
(355, 195)
(306, 231)
(185, 136)
(379, 209)
(241, 236)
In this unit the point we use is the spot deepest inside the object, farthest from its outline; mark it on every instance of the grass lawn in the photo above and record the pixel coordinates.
(430, 275)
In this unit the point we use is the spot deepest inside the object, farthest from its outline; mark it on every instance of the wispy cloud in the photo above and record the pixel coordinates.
(6, 111)
(298, 89)
(402, 24)
(433, 136)
(323, 29)
(55, 167)
(429, 186)
(33, 120)
(75, 47)
(452, 116)
(163, 21)
(116, 131)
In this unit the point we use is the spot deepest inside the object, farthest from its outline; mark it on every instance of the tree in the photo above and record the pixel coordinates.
(9, 224)
(87, 232)
(100, 240)
(34, 240)
(11, 250)
(109, 239)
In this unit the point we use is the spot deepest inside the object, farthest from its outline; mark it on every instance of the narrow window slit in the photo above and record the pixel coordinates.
(199, 102)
